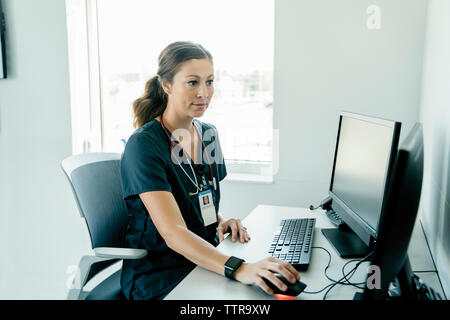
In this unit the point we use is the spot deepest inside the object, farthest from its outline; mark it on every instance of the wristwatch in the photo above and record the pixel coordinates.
(231, 266)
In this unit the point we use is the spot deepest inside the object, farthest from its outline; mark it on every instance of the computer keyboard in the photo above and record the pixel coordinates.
(292, 242)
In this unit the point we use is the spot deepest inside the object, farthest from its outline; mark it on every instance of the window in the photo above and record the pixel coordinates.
(117, 43)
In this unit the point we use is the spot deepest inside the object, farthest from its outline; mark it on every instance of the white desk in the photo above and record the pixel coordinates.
(261, 223)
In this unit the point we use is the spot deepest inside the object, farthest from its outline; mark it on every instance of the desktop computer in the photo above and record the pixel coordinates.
(363, 161)
(396, 226)
(364, 155)
(375, 189)
(374, 197)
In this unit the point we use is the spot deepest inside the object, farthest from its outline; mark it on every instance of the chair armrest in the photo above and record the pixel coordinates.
(119, 253)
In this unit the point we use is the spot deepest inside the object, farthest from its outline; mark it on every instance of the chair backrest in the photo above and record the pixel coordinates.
(96, 184)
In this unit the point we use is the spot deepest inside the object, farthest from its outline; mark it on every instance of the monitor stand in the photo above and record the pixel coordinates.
(346, 243)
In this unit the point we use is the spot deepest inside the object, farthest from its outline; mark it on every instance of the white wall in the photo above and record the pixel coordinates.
(435, 114)
(326, 60)
(40, 232)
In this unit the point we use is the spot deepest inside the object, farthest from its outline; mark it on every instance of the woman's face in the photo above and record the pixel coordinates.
(192, 88)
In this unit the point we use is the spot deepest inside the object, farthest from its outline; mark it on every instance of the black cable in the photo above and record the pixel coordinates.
(348, 279)
(334, 282)
(343, 268)
(346, 275)
(352, 271)
(328, 277)
(338, 282)
(325, 271)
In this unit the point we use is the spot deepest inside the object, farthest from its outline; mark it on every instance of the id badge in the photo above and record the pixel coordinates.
(207, 207)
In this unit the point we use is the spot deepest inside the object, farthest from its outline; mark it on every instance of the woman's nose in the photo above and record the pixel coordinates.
(202, 91)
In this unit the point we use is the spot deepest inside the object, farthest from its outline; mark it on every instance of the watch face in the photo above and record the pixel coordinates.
(231, 265)
(233, 262)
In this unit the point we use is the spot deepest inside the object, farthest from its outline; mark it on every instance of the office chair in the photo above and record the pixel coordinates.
(96, 185)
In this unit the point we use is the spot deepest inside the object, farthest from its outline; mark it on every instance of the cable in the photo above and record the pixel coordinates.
(325, 271)
(334, 282)
(348, 279)
(346, 276)
(328, 265)
(331, 286)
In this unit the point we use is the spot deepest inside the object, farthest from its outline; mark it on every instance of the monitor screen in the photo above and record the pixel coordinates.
(361, 166)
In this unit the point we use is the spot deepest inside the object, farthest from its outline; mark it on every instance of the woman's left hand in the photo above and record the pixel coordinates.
(236, 228)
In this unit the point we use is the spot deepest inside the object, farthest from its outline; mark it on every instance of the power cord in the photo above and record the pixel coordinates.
(345, 280)
(357, 285)
(325, 271)
(352, 272)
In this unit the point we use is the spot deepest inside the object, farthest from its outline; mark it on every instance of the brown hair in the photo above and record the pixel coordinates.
(153, 101)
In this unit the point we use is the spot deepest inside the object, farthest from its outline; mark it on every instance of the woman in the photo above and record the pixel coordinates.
(171, 163)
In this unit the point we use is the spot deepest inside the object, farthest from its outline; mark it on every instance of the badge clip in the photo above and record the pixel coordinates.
(213, 183)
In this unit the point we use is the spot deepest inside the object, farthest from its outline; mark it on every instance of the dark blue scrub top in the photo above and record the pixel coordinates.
(146, 165)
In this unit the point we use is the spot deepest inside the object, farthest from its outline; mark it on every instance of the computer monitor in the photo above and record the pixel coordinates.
(364, 155)
(397, 221)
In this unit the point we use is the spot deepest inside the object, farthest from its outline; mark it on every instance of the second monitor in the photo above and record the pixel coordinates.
(364, 155)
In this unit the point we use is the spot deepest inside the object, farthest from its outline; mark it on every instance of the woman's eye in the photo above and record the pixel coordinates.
(195, 82)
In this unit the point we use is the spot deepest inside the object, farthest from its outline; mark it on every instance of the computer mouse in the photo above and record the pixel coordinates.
(294, 289)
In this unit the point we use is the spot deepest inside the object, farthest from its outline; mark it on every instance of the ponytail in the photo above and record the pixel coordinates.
(151, 104)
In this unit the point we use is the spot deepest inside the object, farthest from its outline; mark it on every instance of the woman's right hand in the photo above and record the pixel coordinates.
(253, 273)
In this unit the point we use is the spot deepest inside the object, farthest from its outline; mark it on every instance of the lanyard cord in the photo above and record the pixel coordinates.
(212, 180)
(195, 177)
(172, 144)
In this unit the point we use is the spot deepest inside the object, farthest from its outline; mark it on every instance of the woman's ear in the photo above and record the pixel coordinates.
(166, 87)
